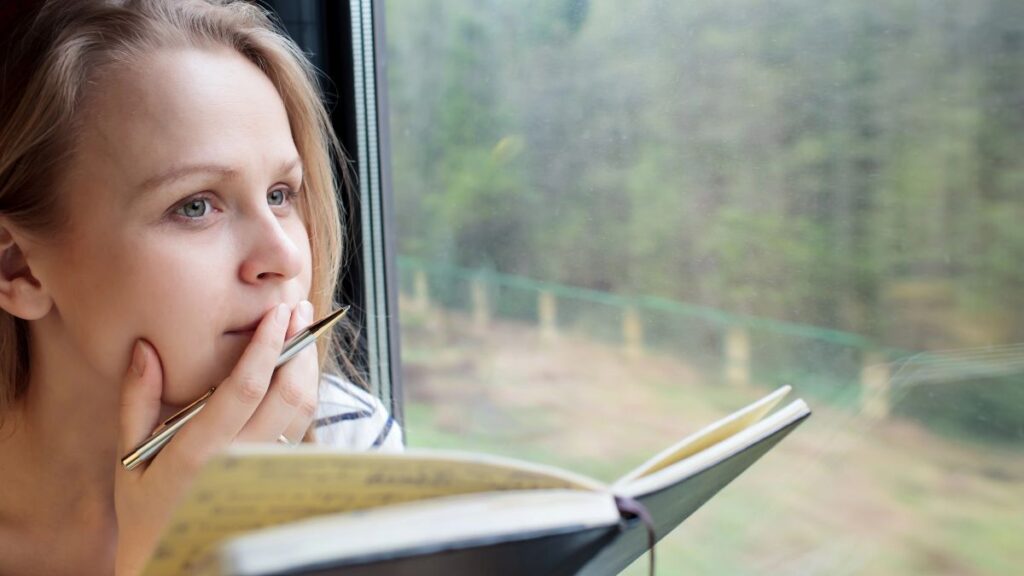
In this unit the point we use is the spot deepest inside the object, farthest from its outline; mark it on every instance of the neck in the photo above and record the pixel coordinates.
(58, 444)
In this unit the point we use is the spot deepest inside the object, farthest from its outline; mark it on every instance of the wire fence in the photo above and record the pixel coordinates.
(734, 349)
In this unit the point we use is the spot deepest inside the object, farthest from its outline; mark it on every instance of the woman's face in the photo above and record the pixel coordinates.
(185, 228)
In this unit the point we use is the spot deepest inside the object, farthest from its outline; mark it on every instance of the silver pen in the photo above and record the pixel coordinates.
(165, 431)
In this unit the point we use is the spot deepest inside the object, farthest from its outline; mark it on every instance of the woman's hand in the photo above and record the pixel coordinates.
(253, 404)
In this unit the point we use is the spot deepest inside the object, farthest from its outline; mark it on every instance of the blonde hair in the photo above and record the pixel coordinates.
(63, 44)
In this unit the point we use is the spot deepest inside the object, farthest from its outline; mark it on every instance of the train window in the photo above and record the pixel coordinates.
(616, 221)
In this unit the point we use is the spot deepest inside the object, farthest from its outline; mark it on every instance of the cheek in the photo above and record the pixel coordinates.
(101, 292)
(170, 298)
(300, 238)
(187, 301)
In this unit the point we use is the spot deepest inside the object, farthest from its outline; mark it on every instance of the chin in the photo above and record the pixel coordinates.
(183, 391)
(189, 376)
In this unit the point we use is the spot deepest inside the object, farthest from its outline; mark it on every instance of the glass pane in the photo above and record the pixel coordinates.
(619, 221)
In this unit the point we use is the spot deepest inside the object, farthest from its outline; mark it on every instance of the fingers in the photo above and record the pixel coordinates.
(237, 397)
(290, 403)
(140, 397)
(302, 317)
(306, 363)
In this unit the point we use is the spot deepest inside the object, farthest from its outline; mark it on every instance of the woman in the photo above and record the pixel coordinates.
(167, 220)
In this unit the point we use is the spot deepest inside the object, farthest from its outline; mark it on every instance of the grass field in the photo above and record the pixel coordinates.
(844, 494)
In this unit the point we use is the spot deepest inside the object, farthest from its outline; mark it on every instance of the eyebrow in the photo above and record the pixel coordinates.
(179, 172)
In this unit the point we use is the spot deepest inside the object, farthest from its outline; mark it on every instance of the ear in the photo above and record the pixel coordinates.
(21, 293)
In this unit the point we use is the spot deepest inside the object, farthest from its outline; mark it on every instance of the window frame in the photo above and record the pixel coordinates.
(345, 41)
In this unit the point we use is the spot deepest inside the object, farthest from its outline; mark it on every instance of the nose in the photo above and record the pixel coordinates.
(271, 255)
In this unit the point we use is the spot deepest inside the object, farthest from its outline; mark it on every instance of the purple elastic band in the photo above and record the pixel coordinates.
(636, 509)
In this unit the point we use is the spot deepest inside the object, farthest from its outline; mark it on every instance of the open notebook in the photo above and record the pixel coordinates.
(267, 509)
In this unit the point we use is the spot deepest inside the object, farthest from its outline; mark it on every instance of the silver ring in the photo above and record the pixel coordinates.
(284, 440)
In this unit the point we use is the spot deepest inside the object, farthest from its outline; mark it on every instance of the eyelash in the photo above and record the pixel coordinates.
(290, 195)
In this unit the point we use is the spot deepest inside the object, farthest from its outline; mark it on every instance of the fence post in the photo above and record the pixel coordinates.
(481, 306)
(874, 385)
(737, 356)
(421, 291)
(548, 315)
(632, 332)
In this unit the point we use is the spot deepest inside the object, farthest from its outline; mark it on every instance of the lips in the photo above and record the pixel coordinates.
(247, 329)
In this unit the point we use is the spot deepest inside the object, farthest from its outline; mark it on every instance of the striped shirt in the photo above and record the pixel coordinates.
(352, 418)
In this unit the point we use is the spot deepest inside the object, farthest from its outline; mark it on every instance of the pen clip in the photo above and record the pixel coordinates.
(183, 412)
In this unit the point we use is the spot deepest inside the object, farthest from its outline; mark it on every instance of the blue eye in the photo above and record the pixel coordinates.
(194, 208)
(277, 197)
(282, 197)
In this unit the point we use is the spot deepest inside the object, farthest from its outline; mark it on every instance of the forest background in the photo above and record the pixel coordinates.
(857, 166)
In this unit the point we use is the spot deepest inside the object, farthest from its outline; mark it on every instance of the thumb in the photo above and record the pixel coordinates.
(140, 397)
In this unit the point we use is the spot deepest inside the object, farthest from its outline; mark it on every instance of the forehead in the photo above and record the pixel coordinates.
(178, 107)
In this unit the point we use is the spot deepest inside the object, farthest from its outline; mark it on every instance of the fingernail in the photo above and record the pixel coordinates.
(138, 359)
(306, 311)
(282, 314)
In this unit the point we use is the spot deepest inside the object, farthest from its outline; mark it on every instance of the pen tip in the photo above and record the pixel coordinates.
(333, 317)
